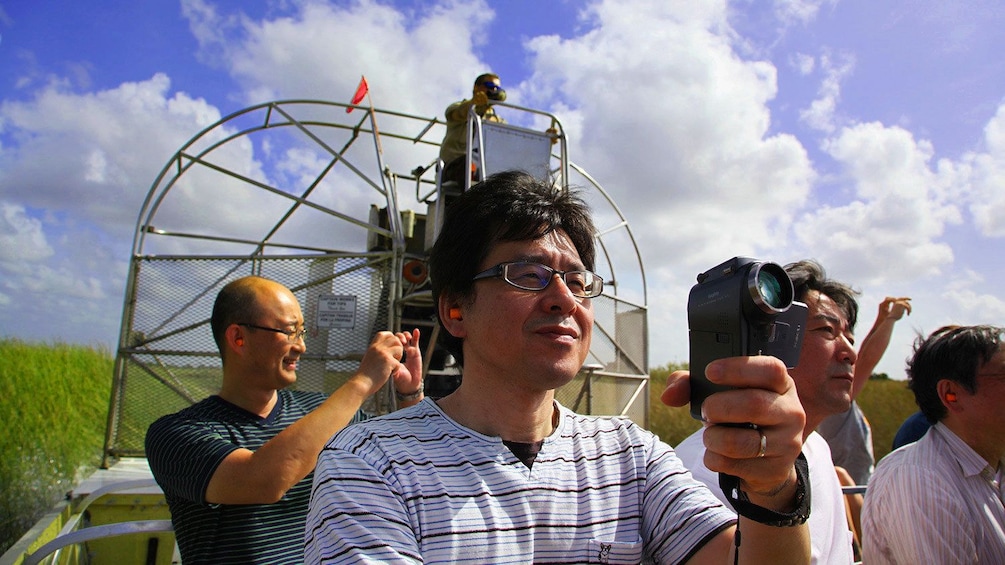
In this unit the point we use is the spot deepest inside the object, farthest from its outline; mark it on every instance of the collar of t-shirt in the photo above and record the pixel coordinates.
(525, 452)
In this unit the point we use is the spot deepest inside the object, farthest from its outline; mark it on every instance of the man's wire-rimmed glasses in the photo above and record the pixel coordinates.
(536, 277)
(291, 335)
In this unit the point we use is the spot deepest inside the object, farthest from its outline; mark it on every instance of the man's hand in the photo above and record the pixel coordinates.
(382, 359)
(765, 396)
(480, 99)
(895, 308)
(408, 377)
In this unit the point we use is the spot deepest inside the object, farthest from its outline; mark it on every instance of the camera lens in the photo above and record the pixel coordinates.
(770, 287)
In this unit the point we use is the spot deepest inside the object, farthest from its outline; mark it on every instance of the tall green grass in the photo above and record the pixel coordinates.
(53, 411)
(886, 404)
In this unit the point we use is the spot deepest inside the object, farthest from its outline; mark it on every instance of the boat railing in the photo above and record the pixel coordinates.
(72, 533)
(95, 532)
(854, 489)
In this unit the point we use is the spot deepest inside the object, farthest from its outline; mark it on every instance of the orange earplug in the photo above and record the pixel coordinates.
(455, 313)
(950, 397)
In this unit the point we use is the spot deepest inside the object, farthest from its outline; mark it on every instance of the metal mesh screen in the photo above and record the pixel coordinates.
(614, 380)
(338, 234)
(594, 392)
(169, 359)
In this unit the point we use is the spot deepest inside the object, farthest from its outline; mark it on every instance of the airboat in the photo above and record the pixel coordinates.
(340, 203)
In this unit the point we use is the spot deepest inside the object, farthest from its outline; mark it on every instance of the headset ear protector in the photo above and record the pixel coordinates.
(455, 314)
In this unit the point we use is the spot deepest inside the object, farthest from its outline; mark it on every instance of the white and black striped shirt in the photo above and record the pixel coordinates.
(415, 486)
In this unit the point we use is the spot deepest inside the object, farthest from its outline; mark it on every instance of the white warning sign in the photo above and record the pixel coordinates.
(336, 311)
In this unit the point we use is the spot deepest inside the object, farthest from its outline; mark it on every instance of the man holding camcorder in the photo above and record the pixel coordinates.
(454, 147)
(498, 471)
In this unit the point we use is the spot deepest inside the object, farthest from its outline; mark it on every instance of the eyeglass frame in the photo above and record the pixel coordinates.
(292, 336)
(500, 271)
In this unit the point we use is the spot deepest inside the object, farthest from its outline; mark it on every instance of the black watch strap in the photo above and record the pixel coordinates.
(730, 486)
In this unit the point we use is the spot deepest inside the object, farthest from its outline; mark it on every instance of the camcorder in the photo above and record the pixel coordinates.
(498, 94)
(741, 307)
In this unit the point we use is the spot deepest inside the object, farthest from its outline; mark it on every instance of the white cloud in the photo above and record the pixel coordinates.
(986, 173)
(972, 306)
(799, 11)
(803, 63)
(820, 114)
(890, 227)
(87, 160)
(22, 238)
(322, 49)
(667, 115)
(95, 153)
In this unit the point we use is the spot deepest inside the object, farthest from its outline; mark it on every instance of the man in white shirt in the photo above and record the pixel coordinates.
(823, 379)
(939, 500)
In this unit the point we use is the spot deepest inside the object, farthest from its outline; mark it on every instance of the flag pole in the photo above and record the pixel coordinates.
(364, 90)
(373, 120)
(394, 219)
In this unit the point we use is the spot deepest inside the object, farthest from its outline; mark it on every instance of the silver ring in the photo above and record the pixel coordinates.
(764, 444)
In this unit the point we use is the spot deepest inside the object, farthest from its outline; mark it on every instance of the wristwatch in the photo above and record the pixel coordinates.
(407, 397)
(730, 486)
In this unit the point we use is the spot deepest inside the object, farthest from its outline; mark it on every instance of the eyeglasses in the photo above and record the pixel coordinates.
(291, 335)
(491, 85)
(536, 277)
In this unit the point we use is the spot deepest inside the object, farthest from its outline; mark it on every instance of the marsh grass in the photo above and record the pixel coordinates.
(55, 401)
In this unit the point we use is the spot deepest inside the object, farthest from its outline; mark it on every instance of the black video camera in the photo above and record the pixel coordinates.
(741, 307)
(498, 94)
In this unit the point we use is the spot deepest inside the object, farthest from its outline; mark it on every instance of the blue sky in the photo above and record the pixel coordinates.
(867, 135)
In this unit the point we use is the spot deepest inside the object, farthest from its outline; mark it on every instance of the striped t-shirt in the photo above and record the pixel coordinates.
(184, 450)
(416, 486)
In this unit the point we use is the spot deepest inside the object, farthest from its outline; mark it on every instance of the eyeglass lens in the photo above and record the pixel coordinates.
(292, 335)
(532, 276)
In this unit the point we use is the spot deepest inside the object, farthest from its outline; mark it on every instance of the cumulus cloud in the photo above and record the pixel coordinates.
(665, 112)
(965, 295)
(87, 160)
(22, 238)
(95, 153)
(986, 172)
(890, 225)
(321, 49)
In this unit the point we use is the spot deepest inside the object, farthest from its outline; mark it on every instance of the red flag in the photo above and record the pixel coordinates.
(361, 91)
